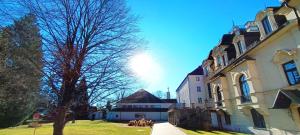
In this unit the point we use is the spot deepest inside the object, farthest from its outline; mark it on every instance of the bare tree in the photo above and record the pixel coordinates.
(159, 94)
(91, 38)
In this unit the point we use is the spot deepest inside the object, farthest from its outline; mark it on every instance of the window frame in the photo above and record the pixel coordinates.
(209, 90)
(219, 97)
(224, 61)
(198, 88)
(245, 89)
(239, 45)
(257, 119)
(199, 100)
(267, 25)
(227, 119)
(292, 70)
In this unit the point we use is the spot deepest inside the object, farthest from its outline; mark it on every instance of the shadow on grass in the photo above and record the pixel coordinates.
(212, 131)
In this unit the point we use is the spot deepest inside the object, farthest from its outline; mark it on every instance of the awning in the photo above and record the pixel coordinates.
(284, 99)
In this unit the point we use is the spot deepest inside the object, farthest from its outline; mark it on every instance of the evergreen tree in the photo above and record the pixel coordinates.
(20, 76)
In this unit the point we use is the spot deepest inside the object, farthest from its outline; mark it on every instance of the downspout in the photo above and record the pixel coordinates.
(295, 11)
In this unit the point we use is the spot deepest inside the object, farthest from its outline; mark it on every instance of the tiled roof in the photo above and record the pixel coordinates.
(197, 71)
(141, 96)
(227, 39)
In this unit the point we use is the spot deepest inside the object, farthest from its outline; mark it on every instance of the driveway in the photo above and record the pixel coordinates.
(165, 129)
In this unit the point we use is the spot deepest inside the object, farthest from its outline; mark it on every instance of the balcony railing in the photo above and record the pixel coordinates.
(246, 99)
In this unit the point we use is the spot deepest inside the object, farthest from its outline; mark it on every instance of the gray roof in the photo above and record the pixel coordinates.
(141, 96)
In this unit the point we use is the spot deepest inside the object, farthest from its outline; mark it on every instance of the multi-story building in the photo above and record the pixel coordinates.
(191, 92)
(253, 74)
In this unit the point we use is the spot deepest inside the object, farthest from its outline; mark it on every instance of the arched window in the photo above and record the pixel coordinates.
(258, 119)
(245, 90)
(219, 96)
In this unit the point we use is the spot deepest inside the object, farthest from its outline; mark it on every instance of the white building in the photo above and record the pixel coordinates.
(191, 92)
(141, 104)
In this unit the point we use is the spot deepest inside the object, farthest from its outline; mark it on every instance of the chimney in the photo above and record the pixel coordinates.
(168, 94)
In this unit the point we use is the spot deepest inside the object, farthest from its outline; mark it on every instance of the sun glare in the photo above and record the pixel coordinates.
(146, 68)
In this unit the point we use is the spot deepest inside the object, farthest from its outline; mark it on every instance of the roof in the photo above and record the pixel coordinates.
(227, 39)
(139, 110)
(141, 96)
(284, 99)
(170, 100)
(197, 71)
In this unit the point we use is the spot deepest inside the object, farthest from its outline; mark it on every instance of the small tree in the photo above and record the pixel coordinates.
(159, 94)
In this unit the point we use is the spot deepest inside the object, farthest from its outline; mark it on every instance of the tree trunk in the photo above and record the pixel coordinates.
(59, 122)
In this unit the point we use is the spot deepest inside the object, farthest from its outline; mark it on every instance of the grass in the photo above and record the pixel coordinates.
(83, 127)
(201, 132)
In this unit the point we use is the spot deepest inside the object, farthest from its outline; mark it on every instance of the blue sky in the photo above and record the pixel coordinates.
(180, 33)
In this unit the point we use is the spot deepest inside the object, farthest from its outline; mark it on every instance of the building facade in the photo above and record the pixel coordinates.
(253, 74)
(191, 92)
(139, 105)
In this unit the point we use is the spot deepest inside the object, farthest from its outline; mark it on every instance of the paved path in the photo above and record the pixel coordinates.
(166, 129)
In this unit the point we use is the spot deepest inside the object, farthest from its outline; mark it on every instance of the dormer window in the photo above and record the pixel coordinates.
(224, 61)
(219, 61)
(267, 26)
(240, 47)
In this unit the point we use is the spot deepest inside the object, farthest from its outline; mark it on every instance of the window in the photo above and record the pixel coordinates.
(197, 78)
(267, 26)
(227, 118)
(139, 115)
(291, 72)
(219, 96)
(224, 62)
(206, 70)
(258, 119)
(219, 61)
(200, 100)
(240, 47)
(209, 90)
(245, 90)
(198, 89)
(155, 106)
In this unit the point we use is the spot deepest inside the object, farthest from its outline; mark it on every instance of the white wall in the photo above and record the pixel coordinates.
(157, 116)
(194, 94)
(162, 105)
(187, 93)
(183, 94)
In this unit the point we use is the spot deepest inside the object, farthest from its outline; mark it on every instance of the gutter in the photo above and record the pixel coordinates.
(285, 3)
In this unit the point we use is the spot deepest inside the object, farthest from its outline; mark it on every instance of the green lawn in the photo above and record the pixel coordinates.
(201, 132)
(83, 127)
